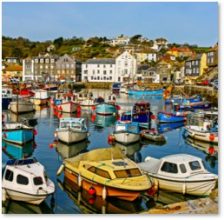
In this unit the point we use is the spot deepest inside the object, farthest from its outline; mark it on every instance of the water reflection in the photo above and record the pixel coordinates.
(14, 151)
(104, 121)
(67, 151)
(165, 127)
(89, 204)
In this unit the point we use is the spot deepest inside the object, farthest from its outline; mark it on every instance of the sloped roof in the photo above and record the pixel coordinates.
(14, 67)
(101, 61)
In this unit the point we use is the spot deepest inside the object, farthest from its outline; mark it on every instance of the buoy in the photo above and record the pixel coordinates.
(93, 107)
(60, 169)
(211, 150)
(153, 117)
(51, 145)
(212, 137)
(34, 131)
(91, 191)
(110, 139)
(104, 193)
(152, 191)
(91, 200)
(79, 109)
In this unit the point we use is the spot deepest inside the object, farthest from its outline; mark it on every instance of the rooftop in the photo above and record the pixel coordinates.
(101, 61)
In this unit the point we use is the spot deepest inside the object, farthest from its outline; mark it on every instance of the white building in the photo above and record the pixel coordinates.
(99, 70)
(141, 57)
(126, 67)
(28, 69)
(120, 41)
(123, 68)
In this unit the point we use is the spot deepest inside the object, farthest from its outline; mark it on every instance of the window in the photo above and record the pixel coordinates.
(98, 65)
(41, 60)
(86, 65)
(47, 61)
(111, 71)
(104, 66)
(37, 180)
(169, 167)
(22, 180)
(195, 165)
(111, 65)
(183, 168)
(100, 172)
(104, 72)
(127, 173)
(36, 60)
(93, 71)
(9, 175)
(110, 77)
(98, 71)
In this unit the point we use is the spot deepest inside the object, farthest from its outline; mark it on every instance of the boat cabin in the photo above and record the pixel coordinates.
(131, 127)
(141, 107)
(181, 165)
(7, 93)
(75, 123)
(24, 175)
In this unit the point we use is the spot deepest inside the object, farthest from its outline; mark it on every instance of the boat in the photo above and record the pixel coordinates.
(104, 121)
(202, 126)
(26, 118)
(140, 113)
(116, 87)
(26, 181)
(165, 127)
(152, 135)
(169, 117)
(15, 151)
(21, 106)
(106, 172)
(192, 105)
(17, 133)
(126, 132)
(106, 109)
(41, 97)
(7, 97)
(145, 92)
(68, 151)
(181, 173)
(72, 130)
(66, 103)
(180, 99)
(51, 87)
(85, 99)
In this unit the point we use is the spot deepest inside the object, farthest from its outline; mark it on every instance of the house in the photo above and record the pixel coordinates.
(212, 56)
(120, 41)
(159, 44)
(146, 56)
(195, 66)
(126, 67)
(147, 74)
(99, 70)
(12, 70)
(67, 68)
(164, 71)
(12, 60)
(180, 52)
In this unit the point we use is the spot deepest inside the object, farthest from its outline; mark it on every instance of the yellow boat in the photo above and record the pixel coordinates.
(107, 173)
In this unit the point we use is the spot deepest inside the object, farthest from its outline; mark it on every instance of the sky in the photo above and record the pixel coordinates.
(179, 22)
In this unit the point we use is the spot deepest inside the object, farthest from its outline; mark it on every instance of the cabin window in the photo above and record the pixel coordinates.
(100, 172)
(183, 168)
(9, 175)
(195, 165)
(37, 180)
(22, 180)
(127, 173)
(65, 124)
(75, 125)
(169, 167)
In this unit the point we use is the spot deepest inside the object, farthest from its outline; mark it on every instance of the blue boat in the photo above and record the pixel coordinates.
(7, 97)
(116, 87)
(187, 106)
(104, 121)
(145, 92)
(17, 133)
(165, 127)
(14, 151)
(106, 109)
(179, 99)
(140, 113)
(167, 117)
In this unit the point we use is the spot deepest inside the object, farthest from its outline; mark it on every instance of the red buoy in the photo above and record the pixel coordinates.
(211, 150)
(153, 117)
(152, 191)
(93, 117)
(91, 191)
(110, 139)
(79, 109)
(91, 201)
(34, 131)
(212, 137)
(51, 145)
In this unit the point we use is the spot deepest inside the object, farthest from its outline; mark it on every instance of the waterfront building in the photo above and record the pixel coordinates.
(194, 67)
(164, 71)
(12, 71)
(212, 56)
(147, 74)
(99, 70)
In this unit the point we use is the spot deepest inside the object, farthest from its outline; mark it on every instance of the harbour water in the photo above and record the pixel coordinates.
(66, 200)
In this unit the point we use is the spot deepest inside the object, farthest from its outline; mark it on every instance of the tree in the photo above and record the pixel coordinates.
(58, 42)
(134, 39)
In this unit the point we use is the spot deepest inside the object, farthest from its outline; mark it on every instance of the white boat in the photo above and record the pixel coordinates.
(26, 181)
(41, 97)
(181, 173)
(21, 106)
(126, 133)
(87, 102)
(67, 103)
(72, 130)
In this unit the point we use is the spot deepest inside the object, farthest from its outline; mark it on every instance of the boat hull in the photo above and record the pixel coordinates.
(99, 188)
(106, 109)
(40, 101)
(18, 136)
(201, 136)
(164, 117)
(153, 137)
(5, 103)
(197, 188)
(68, 107)
(126, 137)
(145, 92)
(69, 136)
(21, 107)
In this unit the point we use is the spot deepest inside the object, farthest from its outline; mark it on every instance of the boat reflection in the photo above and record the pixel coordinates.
(89, 204)
(132, 151)
(165, 127)
(210, 149)
(104, 121)
(14, 151)
(14, 207)
(67, 151)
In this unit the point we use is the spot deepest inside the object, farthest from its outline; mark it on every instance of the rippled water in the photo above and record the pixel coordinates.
(67, 199)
